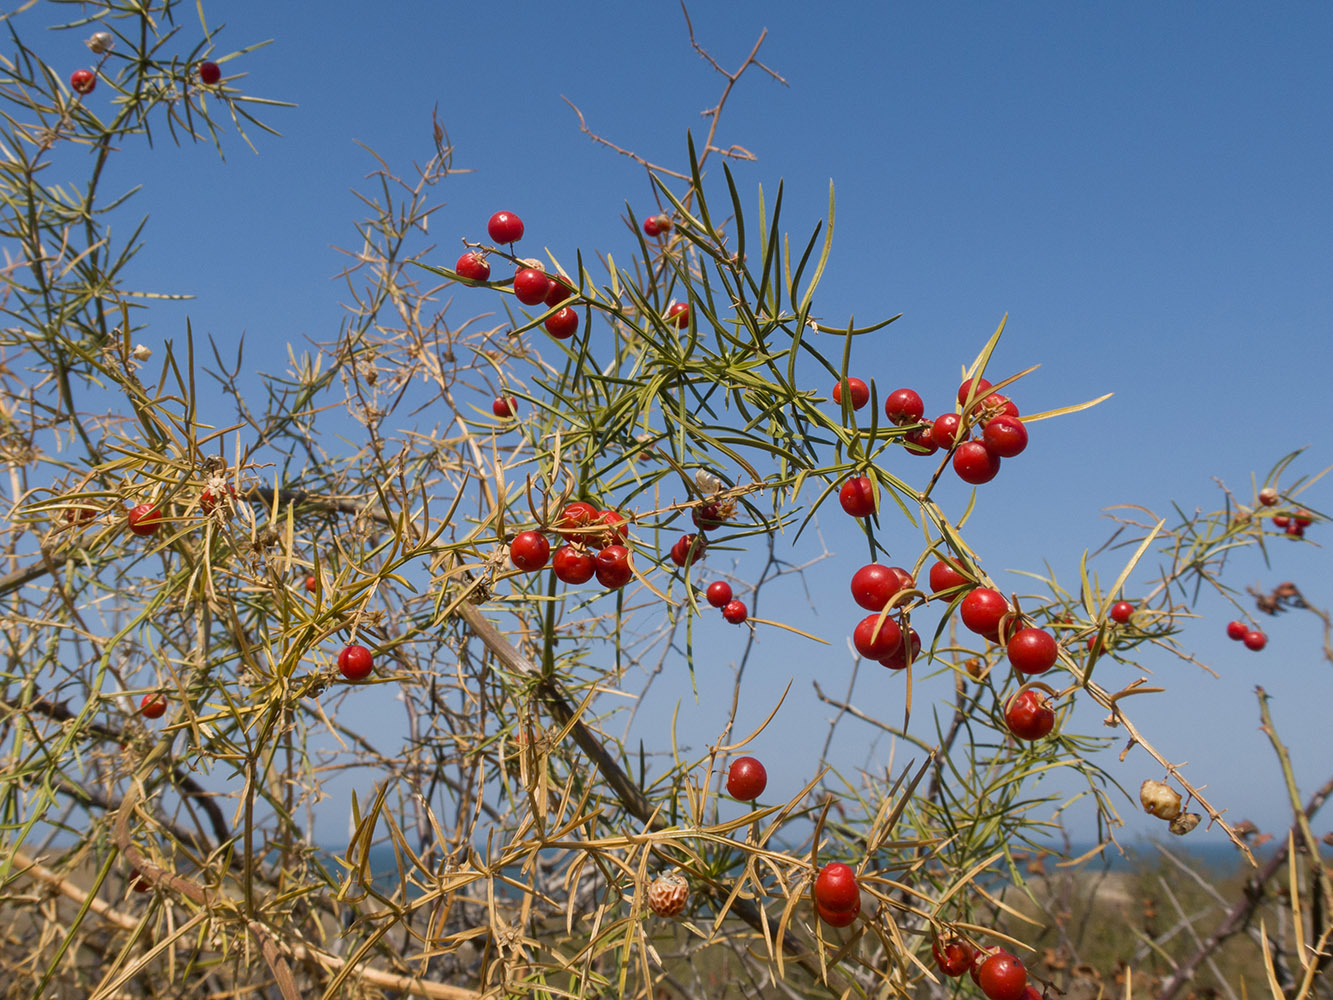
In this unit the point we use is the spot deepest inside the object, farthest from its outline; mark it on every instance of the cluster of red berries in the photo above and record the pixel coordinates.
(1253, 638)
(879, 636)
(658, 225)
(583, 528)
(1000, 975)
(837, 894)
(719, 596)
(532, 285)
(1295, 523)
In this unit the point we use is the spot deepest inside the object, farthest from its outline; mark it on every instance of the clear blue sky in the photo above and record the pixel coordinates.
(1143, 188)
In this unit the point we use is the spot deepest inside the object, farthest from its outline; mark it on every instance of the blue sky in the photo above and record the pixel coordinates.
(1143, 189)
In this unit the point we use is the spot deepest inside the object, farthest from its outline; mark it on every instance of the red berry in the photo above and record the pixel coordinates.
(1236, 630)
(954, 956)
(719, 593)
(1005, 436)
(152, 706)
(688, 548)
(1003, 977)
(505, 227)
(1254, 639)
(613, 530)
(529, 551)
(982, 388)
(735, 612)
(944, 430)
(207, 501)
(559, 292)
(577, 515)
(974, 463)
(996, 405)
(572, 565)
(901, 659)
(657, 224)
(746, 779)
(921, 440)
(563, 323)
(356, 663)
(944, 577)
(504, 406)
(210, 72)
(857, 497)
(679, 313)
(1281, 520)
(836, 889)
(1296, 530)
(312, 583)
(612, 567)
(1302, 518)
(82, 81)
(860, 392)
(1121, 611)
(982, 610)
(531, 286)
(876, 639)
(80, 514)
(1029, 715)
(144, 519)
(903, 406)
(839, 918)
(1268, 496)
(473, 267)
(1032, 651)
(708, 516)
(874, 586)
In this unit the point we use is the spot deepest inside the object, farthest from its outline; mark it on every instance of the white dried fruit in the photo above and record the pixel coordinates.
(1159, 799)
(100, 41)
(707, 482)
(1184, 823)
(141, 353)
(668, 894)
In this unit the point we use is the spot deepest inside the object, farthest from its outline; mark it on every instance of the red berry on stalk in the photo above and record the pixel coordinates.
(838, 918)
(1296, 530)
(577, 515)
(719, 593)
(746, 779)
(921, 440)
(563, 323)
(688, 548)
(1029, 715)
(210, 72)
(974, 463)
(1254, 639)
(708, 516)
(505, 227)
(983, 387)
(1005, 436)
(857, 497)
(982, 610)
(1121, 612)
(1281, 520)
(1236, 630)
(529, 551)
(944, 577)
(874, 586)
(1302, 518)
(859, 390)
(903, 406)
(907, 653)
(656, 225)
(996, 405)
(612, 567)
(954, 956)
(504, 406)
(1003, 977)
(836, 889)
(944, 430)
(473, 267)
(559, 292)
(152, 706)
(679, 313)
(1032, 651)
(572, 564)
(735, 612)
(312, 583)
(531, 286)
(82, 81)
(355, 663)
(144, 519)
(613, 530)
(876, 638)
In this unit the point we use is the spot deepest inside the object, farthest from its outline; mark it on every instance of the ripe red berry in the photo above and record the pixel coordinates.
(1003, 977)
(1121, 612)
(974, 463)
(857, 497)
(735, 612)
(563, 323)
(903, 406)
(954, 956)
(1268, 496)
(1005, 436)
(944, 577)
(836, 889)
(1281, 520)
(210, 72)
(708, 516)
(859, 390)
(983, 387)
(876, 639)
(504, 406)
(312, 583)
(572, 565)
(1032, 651)
(688, 548)
(612, 529)
(1296, 530)
(908, 651)
(920, 440)
(559, 292)
(144, 519)
(1029, 715)
(576, 516)
(719, 593)
(152, 706)
(529, 551)
(505, 227)
(1254, 639)
(612, 567)
(1302, 518)
(531, 286)
(473, 267)
(838, 918)
(874, 586)
(944, 430)
(655, 225)
(996, 405)
(355, 663)
(1236, 630)
(982, 610)
(746, 779)
(679, 313)
(82, 81)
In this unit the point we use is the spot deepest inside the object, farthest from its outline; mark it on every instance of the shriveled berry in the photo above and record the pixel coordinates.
(668, 894)
(1268, 496)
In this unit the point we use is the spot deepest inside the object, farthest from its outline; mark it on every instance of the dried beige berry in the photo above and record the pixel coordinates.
(668, 894)
(1184, 823)
(1159, 799)
(100, 41)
